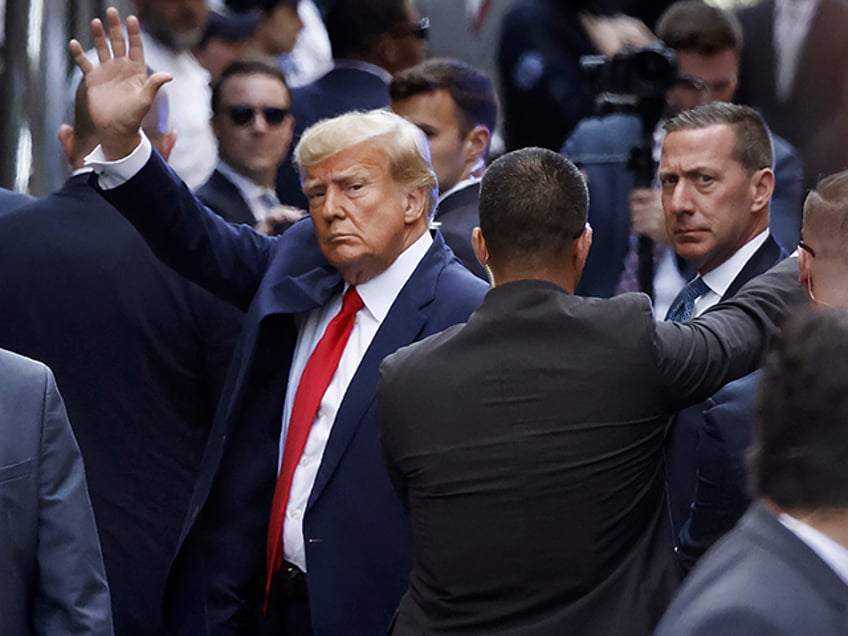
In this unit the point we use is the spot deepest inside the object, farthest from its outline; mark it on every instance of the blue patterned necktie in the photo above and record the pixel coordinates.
(684, 305)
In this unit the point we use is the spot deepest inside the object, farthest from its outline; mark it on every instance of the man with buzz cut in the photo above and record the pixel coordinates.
(457, 108)
(535, 481)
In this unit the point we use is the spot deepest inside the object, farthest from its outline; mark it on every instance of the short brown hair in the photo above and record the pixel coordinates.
(752, 148)
(697, 27)
(826, 215)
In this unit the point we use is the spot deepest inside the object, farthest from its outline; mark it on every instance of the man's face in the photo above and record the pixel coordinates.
(438, 117)
(178, 24)
(284, 25)
(363, 218)
(256, 148)
(708, 198)
(408, 43)
(704, 79)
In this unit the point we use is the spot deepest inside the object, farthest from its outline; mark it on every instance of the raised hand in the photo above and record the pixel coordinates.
(119, 90)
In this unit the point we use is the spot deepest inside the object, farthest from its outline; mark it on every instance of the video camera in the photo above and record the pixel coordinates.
(633, 81)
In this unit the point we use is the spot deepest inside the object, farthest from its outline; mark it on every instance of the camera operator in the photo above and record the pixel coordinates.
(708, 43)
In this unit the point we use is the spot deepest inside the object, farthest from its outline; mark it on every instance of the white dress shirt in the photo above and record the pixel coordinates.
(792, 20)
(189, 111)
(378, 295)
(720, 279)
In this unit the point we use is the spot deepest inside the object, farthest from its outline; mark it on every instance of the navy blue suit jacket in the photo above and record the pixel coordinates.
(10, 200)
(222, 196)
(338, 91)
(140, 354)
(601, 146)
(687, 438)
(358, 545)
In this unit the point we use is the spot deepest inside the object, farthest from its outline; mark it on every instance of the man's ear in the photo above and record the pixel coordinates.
(581, 250)
(476, 144)
(805, 265)
(165, 143)
(416, 206)
(478, 244)
(762, 183)
(66, 140)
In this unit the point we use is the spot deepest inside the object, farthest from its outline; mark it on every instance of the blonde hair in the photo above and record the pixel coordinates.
(403, 142)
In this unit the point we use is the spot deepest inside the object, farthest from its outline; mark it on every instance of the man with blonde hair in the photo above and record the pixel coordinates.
(293, 512)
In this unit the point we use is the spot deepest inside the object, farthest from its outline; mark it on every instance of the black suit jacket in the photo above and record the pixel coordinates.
(688, 425)
(812, 119)
(221, 195)
(140, 355)
(760, 579)
(528, 446)
(458, 216)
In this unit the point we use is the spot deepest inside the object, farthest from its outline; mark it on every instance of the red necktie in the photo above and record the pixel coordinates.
(314, 380)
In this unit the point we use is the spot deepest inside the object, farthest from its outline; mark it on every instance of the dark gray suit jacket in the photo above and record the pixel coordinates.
(52, 582)
(221, 195)
(760, 580)
(528, 446)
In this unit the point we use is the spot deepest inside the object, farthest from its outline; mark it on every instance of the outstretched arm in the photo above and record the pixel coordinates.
(119, 90)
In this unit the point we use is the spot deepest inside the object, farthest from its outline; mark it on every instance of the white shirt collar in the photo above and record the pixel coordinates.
(379, 293)
(249, 189)
(831, 552)
(719, 279)
(469, 180)
(379, 71)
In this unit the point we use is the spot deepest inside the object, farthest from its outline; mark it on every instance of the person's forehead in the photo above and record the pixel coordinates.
(716, 66)
(367, 157)
(428, 106)
(712, 143)
(255, 85)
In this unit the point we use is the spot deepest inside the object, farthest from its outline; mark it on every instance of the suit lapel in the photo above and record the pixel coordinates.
(768, 255)
(402, 326)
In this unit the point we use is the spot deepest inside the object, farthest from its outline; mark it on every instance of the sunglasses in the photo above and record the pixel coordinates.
(421, 30)
(242, 115)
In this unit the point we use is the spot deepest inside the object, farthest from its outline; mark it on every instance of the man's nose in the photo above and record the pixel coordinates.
(333, 204)
(680, 201)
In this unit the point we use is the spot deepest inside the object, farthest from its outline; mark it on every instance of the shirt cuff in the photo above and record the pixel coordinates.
(111, 174)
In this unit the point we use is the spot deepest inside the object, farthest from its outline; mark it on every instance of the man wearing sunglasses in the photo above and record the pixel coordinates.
(251, 118)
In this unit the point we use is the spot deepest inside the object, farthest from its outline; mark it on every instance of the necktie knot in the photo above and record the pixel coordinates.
(351, 302)
(684, 305)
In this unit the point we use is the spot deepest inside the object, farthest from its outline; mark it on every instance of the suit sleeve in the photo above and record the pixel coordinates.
(728, 341)
(72, 596)
(228, 260)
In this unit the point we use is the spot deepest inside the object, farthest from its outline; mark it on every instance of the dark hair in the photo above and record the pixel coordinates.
(533, 203)
(826, 217)
(801, 442)
(246, 66)
(697, 27)
(470, 89)
(752, 148)
(354, 26)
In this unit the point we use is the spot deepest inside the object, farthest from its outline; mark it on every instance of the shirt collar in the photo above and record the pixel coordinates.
(831, 552)
(468, 181)
(379, 293)
(250, 190)
(719, 279)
